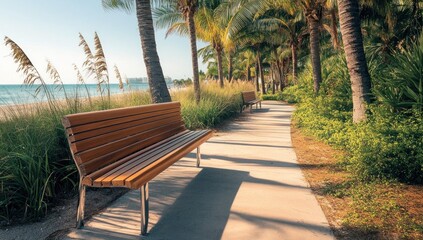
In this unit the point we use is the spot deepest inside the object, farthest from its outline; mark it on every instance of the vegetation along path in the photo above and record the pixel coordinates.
(249, 186)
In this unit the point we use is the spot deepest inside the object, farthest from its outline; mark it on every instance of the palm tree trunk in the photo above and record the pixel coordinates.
(294, 62)
(257, 75)
(280, 73)
(334, 29)
(260, 66)
(273, 80)
(248, 73)
(158, 88)
(193, 41)
(313, 25)
(230, 67)
(219, 66)
(356, 60)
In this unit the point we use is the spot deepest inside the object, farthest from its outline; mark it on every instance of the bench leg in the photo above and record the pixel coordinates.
(251, 108)
(260, 105)
(144, 209)
(198, 156)
(81, 206)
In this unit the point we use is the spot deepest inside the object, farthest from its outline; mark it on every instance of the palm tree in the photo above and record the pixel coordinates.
(166, 17)
(158, 88)
(313, 11)
(210, 30)
(286, 24)
(248, 59)
(349, 19)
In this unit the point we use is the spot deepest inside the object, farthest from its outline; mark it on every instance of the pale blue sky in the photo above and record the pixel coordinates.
(48, 29)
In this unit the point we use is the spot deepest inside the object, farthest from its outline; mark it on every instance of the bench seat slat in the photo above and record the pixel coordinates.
(106, 179)
(88, 180)
(134, 177)
(152, 170)
(119, 178)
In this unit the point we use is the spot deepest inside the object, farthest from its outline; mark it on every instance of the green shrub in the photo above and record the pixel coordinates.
(400, 85)
(275, 97)
(389, 145)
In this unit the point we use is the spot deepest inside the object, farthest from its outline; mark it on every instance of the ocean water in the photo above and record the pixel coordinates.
(20, 94)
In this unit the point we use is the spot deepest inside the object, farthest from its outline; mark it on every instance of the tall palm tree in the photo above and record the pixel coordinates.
(248, 59)
(313, 11)
(158, 88)
(166, 17)
(289, 25)
(349, 19)
(212, 31)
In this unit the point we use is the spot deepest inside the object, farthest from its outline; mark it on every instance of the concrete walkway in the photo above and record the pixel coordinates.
(249, 186)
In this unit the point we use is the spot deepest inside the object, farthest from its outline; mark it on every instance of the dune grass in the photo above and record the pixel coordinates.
(36, 169)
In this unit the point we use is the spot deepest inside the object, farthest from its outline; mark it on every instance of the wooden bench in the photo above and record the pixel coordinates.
(249, 99)
(128, 147)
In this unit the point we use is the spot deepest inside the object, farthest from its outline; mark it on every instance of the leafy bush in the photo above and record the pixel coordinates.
(401, 85)
(275, 97)
(390, 144)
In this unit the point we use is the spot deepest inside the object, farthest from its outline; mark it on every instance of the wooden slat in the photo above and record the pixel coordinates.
(248, 96)
(88, 180)
(101, 139)
(124, 147)
(92, 129)
(120, 177)
(117, 175)
(96, 116)
(152, 170)
(122, 143)
(106, 157)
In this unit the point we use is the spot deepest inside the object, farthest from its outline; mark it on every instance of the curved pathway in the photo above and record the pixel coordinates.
(249, 186)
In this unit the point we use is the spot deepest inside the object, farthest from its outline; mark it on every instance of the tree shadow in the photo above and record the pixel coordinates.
(202, 210)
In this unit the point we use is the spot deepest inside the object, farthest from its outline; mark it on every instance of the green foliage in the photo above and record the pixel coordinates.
(376, 207)
(401, 85)
(35, 165)
(389, 145)
(216, 105)
(276, 97)
(182, 82)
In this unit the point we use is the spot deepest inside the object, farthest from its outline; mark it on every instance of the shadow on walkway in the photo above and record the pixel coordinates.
(203, 208)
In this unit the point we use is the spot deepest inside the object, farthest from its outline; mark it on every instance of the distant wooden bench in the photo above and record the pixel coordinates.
(128, 147)
(249, 99)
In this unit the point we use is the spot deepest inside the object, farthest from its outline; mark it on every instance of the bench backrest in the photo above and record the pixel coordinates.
(99, 138)
(248, 96)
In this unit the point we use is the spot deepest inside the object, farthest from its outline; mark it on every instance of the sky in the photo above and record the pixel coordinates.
(49, 30)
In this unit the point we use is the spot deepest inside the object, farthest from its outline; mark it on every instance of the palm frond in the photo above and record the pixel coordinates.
(166, 16)
(126, 5)
(180, 28)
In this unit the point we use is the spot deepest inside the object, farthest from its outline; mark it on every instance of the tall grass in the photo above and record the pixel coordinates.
(216, 105)
(35, 165)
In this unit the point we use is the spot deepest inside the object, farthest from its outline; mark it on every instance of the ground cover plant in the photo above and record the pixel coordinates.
(373, 184)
